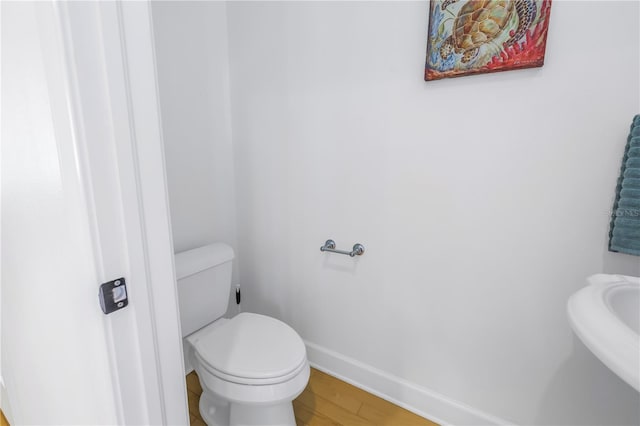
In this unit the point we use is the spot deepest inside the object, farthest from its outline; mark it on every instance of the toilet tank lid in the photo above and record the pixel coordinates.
(193, 261)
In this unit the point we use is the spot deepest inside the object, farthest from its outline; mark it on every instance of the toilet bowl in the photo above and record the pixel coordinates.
(251, 366)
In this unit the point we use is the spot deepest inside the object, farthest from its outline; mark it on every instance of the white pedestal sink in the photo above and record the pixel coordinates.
(606, 317)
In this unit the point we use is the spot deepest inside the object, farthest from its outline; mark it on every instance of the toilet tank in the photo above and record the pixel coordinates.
(204, 283)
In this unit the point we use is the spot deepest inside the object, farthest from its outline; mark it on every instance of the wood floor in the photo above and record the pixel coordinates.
(327, 401)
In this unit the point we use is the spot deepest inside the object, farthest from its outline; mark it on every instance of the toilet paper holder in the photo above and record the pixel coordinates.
(330, 246)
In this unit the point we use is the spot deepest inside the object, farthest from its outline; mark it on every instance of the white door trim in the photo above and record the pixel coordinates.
(144, 105)
(114, 102)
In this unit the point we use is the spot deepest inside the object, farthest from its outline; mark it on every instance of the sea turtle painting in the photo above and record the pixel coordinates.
(480, 36)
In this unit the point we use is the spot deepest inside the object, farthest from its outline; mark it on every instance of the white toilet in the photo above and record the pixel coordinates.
(251, 366)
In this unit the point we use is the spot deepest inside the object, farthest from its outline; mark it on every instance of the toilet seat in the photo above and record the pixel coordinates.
(251, 349)
(243, 393)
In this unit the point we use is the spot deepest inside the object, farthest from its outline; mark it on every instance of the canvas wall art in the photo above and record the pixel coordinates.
(480, 36)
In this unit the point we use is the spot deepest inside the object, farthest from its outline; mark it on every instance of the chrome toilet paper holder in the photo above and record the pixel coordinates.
(330, 246)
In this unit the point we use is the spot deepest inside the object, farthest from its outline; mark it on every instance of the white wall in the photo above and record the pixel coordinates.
(191, 53)
(482, 201)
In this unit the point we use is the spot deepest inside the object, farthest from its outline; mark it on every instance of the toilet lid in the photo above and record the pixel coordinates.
(252, 346)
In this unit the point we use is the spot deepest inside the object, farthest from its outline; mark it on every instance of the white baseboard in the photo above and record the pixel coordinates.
(420, 400)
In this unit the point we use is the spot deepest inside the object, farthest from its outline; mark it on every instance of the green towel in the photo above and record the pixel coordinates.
(624, 235)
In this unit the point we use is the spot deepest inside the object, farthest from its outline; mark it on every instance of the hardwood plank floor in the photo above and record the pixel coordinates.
(327, 401)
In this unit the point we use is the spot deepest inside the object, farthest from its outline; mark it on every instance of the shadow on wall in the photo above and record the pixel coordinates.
(620, 263)
(586, 383)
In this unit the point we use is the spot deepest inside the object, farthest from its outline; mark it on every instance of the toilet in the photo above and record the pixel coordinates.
(251, 366)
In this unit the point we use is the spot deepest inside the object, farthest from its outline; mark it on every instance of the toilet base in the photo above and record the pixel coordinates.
(214, 411)
(217, 412)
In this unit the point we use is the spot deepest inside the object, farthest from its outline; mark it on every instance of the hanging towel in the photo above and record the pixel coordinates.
(624, 235)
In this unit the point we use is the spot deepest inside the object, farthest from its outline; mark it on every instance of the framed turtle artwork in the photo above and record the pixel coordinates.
(481, 36)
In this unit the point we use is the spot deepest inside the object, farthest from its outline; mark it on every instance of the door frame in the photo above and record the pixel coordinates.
(114, 104)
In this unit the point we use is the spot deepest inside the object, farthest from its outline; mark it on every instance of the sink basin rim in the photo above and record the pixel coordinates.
(601, 330)
(616, 292)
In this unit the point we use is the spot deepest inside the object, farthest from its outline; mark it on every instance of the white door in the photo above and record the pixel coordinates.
(80, 207)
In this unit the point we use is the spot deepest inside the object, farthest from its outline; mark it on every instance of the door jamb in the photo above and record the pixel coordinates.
(128, 201)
